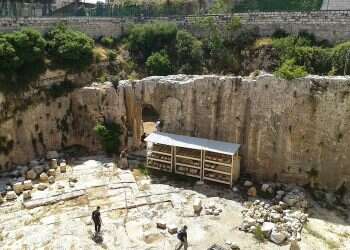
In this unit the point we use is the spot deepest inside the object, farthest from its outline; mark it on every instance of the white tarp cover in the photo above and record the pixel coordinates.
(193, 142)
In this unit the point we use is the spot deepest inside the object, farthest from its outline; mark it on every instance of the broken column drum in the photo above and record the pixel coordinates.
(195, 157)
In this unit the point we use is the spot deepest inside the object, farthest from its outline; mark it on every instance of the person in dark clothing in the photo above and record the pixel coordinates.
(143, 143)
(96, 217)
(182, 236)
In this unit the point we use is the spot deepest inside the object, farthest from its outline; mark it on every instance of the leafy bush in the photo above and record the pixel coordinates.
(9, 61)
(109, 133)
(341, 58)
(112, 55)
(107, 41)
(145, 39)
(189, 52)
(71, 49)
(158, 64)
(315, 59)
(28, 44)
(289, 70)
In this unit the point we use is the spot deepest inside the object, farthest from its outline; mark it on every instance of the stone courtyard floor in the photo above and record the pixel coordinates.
(130, 209)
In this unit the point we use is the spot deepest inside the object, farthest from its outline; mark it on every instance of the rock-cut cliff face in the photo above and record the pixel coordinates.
(290, 131)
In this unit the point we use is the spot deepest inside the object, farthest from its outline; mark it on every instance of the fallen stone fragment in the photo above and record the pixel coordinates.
(51, 179)
(248, 184)
(43, 177)
(63, 167)
(71, 184)
(42, 186)
(11, 195)
(278, 237)
(53, 199)
(51, 172)
(38, 169)
(172, 229)
(267, 228)
(161, 225)
(144, 185)
(53, 163)
(27, 195)
(251, 192)
(151, 236)
(18, 187)
(197, 205)
(27, 185)
(73, 179)
(60, 186)
(31, 174)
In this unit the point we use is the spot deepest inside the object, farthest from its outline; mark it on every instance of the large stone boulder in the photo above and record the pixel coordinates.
(53, 163)
(51, 172)
(51, 179)
(43, 177)
(31, 174)
(172, 229)
(277, 236)
(197, 205)
(251, 192)
(42, 186)
(267, 228)
(18, 187)
(63, 167)
(27, 185)
(27, 195)
(38, 169)
(11, 195)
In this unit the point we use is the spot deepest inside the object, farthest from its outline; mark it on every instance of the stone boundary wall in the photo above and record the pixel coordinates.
(331, 25)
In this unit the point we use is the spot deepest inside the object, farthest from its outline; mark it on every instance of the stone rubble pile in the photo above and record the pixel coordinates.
(212, 209)
(43, 171)
(277, 222)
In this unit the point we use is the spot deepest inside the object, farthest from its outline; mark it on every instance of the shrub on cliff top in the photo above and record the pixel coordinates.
(289, 70)
(29, 45)
(70, 49)
(109, 133)
(158, 64)
(145, 39)
(341, 58)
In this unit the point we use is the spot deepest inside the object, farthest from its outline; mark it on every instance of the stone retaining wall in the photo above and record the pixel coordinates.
(331, 25)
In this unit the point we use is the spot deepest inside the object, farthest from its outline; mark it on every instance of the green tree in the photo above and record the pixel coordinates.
(9, 61)
(145, 39)
(189, 52)
(109, 133)
(71, 49)
(158, 64)
(28, 44)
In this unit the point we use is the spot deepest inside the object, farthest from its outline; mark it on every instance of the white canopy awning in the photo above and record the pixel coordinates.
(193, 142)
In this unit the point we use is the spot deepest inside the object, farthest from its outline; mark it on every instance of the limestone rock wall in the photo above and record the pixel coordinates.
(56, 123)
(293, 131)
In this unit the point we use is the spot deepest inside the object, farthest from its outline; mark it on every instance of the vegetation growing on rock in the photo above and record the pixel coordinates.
(109, 133)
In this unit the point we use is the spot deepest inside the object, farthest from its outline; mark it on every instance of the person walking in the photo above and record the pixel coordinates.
(96, 218)
(182, 236)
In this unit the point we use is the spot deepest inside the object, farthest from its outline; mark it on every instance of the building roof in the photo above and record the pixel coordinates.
(193, 142)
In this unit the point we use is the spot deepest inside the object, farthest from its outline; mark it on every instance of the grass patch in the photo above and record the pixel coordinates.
(259, 234)
(330, 243)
